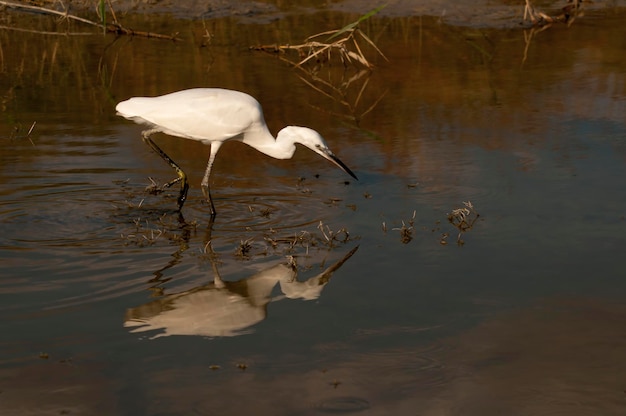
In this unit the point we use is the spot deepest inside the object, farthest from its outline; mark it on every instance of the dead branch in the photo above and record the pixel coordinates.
(568, 14)
(65, 15)
(114, 27)
(341, 42)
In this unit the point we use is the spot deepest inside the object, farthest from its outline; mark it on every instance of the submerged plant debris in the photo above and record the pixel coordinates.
(406, 232)
(463, 219)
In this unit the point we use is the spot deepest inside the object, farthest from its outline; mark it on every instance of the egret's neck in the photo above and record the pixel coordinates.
(260, 286)
(281, 147)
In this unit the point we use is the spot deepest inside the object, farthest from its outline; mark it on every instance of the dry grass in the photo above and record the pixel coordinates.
(143, 232)
(317, 57)
(343, 44)
(111, 27)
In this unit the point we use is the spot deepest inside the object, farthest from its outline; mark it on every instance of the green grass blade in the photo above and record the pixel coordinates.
(352, 25)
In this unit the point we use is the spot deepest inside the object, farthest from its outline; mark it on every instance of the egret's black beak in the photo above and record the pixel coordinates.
(331, 156)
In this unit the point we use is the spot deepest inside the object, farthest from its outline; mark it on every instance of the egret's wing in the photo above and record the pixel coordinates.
(201, 113)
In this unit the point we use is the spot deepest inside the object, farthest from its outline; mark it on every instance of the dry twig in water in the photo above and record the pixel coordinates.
(16, 136)
(344, 43)
(463, 219)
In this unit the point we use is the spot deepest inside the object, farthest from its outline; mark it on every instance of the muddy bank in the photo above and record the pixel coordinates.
(479, 13)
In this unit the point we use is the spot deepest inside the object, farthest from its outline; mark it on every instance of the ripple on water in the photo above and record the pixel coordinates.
(263, 210)
(343, 404)
(403, 370)
(386, 376)
(245, 206)
(63, 280)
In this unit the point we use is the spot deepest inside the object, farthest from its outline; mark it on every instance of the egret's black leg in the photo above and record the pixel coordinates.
(182, 177)
(207, 194)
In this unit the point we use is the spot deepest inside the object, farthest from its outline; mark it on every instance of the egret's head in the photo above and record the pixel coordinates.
(314, 141)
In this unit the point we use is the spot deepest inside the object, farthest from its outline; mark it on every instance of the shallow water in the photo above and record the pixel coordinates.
(524, 317)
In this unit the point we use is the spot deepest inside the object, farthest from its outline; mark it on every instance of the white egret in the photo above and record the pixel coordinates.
(214, 116)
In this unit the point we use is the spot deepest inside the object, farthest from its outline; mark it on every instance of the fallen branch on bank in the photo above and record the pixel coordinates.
(114, 27)
(568, 14)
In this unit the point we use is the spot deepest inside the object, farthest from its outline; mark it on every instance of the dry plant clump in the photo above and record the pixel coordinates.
(331, 236)
(244, 249)
(342, 43)
(463, 219)
(346, 83)
(569, 13)
(542, 21)
(327, 238)
(145, 233)
(290, 245)
(406, 233)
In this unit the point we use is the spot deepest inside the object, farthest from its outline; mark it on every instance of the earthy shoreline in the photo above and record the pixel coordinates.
(479, 13)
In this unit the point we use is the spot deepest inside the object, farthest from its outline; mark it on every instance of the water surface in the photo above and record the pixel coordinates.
(525, 316)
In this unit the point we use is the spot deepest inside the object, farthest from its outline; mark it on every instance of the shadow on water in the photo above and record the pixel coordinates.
(522, 318)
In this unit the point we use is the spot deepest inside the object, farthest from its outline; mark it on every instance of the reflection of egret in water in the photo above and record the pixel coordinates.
(225, 308)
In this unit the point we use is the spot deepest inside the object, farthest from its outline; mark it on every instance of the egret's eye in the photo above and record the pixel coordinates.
(318, 146)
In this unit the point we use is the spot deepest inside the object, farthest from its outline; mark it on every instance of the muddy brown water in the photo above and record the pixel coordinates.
(108, 299)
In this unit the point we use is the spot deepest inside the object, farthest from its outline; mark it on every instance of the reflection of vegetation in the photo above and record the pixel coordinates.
(315, 57)
(341, 91)
(541, 21)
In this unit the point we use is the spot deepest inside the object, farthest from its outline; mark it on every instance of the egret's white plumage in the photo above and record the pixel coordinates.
(213, 116)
